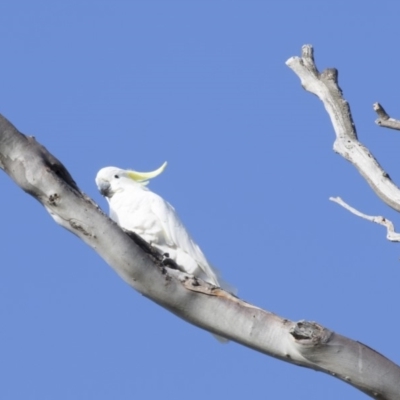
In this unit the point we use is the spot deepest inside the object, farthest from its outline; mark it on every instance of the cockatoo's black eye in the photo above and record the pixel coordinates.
(116, 176)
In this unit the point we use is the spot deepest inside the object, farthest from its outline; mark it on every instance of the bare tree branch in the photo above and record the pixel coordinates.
(384, 120)
(325, 86)
(391, 234)
(303, 343)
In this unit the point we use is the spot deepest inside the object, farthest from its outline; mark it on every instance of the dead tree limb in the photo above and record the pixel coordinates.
(325, 86)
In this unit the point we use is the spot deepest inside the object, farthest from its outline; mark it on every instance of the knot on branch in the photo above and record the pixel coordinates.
(309, 332)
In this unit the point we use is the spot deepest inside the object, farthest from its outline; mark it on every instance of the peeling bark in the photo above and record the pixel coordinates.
(304, 343)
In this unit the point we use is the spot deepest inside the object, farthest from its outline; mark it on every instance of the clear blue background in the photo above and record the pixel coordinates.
(203, 85)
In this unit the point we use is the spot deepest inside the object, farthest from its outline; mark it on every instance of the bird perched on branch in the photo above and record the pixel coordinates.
(134, 207)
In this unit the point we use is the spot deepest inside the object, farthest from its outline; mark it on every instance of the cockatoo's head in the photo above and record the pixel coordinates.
(111, 180)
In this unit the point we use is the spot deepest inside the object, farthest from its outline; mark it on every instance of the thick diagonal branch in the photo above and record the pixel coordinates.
(307, 344)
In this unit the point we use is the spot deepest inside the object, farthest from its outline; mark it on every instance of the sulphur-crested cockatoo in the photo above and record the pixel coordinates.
(136, 208)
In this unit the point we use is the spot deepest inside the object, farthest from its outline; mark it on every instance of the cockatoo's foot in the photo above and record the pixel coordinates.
(169, 262)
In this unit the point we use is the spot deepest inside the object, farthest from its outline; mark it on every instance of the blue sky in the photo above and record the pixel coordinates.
(203, 85)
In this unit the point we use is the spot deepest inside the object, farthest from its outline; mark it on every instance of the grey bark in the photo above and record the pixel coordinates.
(303, 343)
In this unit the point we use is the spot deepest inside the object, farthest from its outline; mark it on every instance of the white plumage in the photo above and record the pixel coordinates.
(136, 208)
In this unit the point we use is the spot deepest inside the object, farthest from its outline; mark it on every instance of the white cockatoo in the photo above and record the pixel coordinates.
(136, 208)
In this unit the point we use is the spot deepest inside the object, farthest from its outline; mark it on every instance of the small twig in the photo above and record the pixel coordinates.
(384, 119)
(391, 234)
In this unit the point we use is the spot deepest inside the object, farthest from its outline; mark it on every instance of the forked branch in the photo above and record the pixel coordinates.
(325, 86)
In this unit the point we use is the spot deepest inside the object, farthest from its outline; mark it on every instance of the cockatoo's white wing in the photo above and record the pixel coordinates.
(185, 251)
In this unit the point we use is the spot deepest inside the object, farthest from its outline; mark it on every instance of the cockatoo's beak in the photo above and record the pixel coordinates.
(104, 188)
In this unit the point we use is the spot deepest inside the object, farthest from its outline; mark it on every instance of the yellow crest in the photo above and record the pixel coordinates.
(145, 176)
